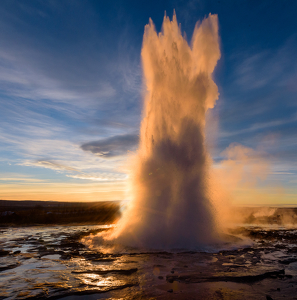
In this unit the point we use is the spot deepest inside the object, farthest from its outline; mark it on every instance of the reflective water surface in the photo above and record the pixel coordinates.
(53, 263)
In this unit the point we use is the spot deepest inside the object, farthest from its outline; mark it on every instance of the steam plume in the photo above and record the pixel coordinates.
(170, 204)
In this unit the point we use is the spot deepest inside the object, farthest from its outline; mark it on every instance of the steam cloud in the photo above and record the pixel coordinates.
(171, 206)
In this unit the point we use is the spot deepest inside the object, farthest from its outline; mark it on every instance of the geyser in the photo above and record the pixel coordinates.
(171, 205)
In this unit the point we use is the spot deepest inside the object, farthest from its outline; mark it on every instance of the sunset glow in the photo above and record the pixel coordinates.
(71, 98)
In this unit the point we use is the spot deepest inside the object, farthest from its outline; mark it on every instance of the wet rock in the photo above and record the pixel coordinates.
(103, 272)
(103, 259)
(84, 292)
(3, 252)
(75, 253)
(43, 251)
(41, 248)
(219, 294)
(72, 245)
(99, 257)
(197, 278)
(8, 267)
(251, 278)
(65, 255)
(288, 261)
(245, 265)
(292, 250)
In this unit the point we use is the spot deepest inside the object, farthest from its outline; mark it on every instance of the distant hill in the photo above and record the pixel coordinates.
(29, 212)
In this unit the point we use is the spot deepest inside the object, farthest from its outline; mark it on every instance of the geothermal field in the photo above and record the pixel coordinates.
(257, 261)
(178, 237)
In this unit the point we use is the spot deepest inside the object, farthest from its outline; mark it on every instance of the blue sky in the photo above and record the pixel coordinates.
(71, 91)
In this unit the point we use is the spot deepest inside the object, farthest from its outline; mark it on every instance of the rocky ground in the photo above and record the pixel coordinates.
(53, 263)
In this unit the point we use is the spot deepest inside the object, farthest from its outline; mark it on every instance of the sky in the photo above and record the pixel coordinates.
(71, 93)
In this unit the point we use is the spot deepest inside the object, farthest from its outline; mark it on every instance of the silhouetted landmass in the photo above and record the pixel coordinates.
(52, 212)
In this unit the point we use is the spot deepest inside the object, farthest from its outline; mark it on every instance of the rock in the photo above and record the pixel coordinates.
(8, 267)
(288, 261)
(170, 291)
(104, 272)
(3, 252)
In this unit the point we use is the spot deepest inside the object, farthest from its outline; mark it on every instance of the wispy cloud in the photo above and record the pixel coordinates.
(20, 79)
(101, 177)
(54, 165)
(258, 69)
(29, 180)
(272, 125)
(76, 173)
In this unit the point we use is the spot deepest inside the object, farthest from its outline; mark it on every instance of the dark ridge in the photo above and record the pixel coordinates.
(51, 212)
(33, 203)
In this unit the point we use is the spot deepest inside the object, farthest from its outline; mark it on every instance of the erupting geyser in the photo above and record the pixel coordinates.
(170, 174)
